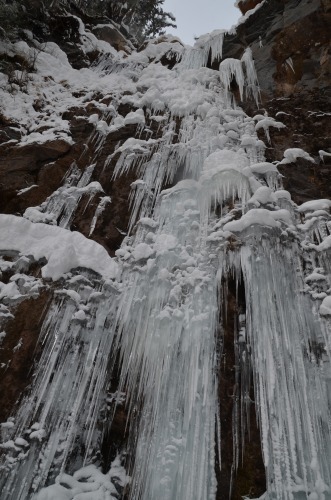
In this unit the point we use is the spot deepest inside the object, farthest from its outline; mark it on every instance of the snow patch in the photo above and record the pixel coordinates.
(63, 249)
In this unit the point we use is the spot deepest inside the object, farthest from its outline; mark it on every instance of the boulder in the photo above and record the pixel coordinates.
(110, 34)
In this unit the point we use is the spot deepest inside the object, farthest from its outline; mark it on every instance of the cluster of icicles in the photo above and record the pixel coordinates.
(226, 215)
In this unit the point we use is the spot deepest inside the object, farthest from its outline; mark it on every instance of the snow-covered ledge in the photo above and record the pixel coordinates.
(63, 249)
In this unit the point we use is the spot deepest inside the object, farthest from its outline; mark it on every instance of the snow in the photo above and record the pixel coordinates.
(260, 217)
(249, 13)
(262, 196)
(80, 315)
(266, 122)
(135, 117)
(164, 243)
(34, 215)
(315, 277)
(25, 190)
(292, 154)
(322, 154)
(87, 483)
(325, 308)
(263, 167)
(224, 158)
(21, 442)
(156, 49)
(63, 249)
(9, 291)
(311, 206)
(159, 306)
(136, 145)
(282, 193)
(142, 251)
(7, 425)
(58, 81)
(39, 434)
(325, 245)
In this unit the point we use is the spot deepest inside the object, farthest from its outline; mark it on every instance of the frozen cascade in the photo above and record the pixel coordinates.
(60, 206)
(67, 384)
(167, 323)
(159, 320)
(243, 72)
(209, 45)
(291, 378)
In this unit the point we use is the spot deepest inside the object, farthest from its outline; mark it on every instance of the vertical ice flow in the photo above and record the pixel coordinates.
(226, 215)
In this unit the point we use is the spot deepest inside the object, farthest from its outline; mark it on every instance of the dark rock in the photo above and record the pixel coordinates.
(64, 30)
(25, 157)
(110, 34)
(278, 31)
(246, 5)
(17, 364)
(29, 165)
(9, 134)
(291, 49)
(248, 480)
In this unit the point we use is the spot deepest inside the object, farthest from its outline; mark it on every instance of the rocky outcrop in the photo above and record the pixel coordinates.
(291, 47)
(18, 348)
(293, 71)
(246, 5)
(110, 33)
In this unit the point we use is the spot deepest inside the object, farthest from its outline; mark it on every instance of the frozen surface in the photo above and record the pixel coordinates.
(152, 319)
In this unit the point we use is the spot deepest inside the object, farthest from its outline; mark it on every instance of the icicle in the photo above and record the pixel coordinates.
(224, 215)
(67, 387)
(205, 46)
(232, 69)
(171, 328)
(59, 208)
(244, 74)
(100, 208)
(252, 84)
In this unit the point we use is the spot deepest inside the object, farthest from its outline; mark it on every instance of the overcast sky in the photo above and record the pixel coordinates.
(196, 17)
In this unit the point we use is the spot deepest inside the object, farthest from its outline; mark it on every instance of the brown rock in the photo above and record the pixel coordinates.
(246, 5)
(17, 363)
(291, 49)
(25, 157)
(43, 165)
(282, 35)
(249, 478)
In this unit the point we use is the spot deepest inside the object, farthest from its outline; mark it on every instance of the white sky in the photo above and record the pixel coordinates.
(196, 17)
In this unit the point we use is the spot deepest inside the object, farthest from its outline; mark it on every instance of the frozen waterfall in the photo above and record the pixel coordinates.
(153, 318)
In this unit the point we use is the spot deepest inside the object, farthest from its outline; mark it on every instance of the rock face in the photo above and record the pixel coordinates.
(291, 48)
(18, 348)
(290, 41)
(290, 44)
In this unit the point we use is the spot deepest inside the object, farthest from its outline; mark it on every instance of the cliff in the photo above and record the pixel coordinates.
(291, 47)
(138, 195)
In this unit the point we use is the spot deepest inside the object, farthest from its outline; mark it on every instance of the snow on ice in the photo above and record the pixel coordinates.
(157, 306)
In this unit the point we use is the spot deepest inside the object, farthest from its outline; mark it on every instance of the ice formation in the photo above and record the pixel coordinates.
(157, 310)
